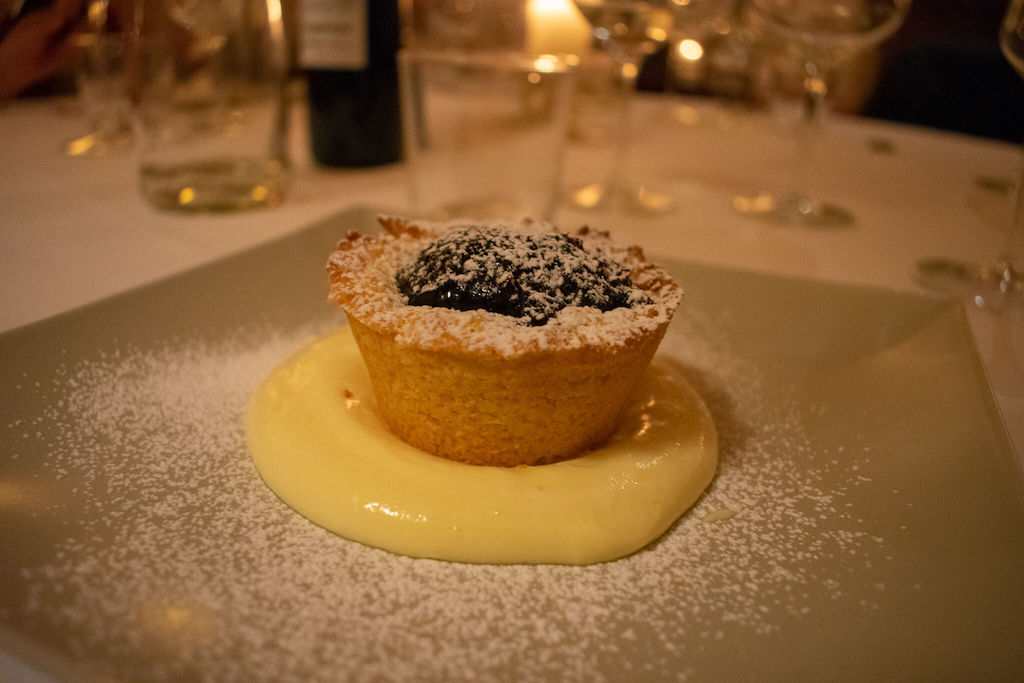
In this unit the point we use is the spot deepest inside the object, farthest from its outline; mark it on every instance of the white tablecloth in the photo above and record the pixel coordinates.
(76, 230)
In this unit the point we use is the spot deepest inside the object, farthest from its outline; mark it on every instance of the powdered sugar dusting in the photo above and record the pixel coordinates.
(363, 271)
(167, 558)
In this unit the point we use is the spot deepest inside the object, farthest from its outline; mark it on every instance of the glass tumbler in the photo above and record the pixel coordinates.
(210, 89)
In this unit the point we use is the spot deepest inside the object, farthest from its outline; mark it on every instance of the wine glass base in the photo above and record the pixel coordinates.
(997, 289)
(994, 287)
(793, 209)
(98, 144)
(631, 198)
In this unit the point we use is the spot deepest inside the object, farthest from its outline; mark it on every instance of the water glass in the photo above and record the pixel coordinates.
(212, 111)
(485, 133)
(486, 88)
(100, 80)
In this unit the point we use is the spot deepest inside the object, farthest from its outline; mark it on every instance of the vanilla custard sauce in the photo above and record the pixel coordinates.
(318, 442)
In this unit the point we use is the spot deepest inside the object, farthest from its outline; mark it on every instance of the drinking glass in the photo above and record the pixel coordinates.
(825, 34)
(999, 283)
(100, 79)
(486, 92)
(484, 133)
(211, 106)
(624, 32)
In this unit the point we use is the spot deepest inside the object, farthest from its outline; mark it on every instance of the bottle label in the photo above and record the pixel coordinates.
(332, 34)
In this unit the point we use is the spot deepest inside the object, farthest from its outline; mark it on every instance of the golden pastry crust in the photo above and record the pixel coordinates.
(480, 387)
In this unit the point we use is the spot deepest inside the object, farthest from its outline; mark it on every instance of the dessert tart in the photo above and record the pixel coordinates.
(502, 344)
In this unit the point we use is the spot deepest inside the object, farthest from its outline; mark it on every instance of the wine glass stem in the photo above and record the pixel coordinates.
(1013, 266)
(625, 82)
(814, 110)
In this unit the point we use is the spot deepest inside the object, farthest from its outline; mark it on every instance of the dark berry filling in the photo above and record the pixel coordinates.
(530, 276)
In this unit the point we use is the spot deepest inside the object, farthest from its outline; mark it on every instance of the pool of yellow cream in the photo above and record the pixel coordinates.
(317, 440)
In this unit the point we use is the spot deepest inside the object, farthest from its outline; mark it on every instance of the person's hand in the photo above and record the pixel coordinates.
(37, 46)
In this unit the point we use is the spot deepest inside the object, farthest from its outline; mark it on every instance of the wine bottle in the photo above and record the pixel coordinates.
(347, 49)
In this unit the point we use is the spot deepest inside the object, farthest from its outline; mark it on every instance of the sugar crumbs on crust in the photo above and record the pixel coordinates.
(362, 272)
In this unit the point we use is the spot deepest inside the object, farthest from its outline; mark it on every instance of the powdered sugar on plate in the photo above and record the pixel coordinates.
(164, 557)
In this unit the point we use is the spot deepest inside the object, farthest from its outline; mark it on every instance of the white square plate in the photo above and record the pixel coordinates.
(866, 522)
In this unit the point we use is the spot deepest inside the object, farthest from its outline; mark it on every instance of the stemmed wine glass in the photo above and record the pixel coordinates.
(826, 33)
(1000, 283)
(624, 32)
